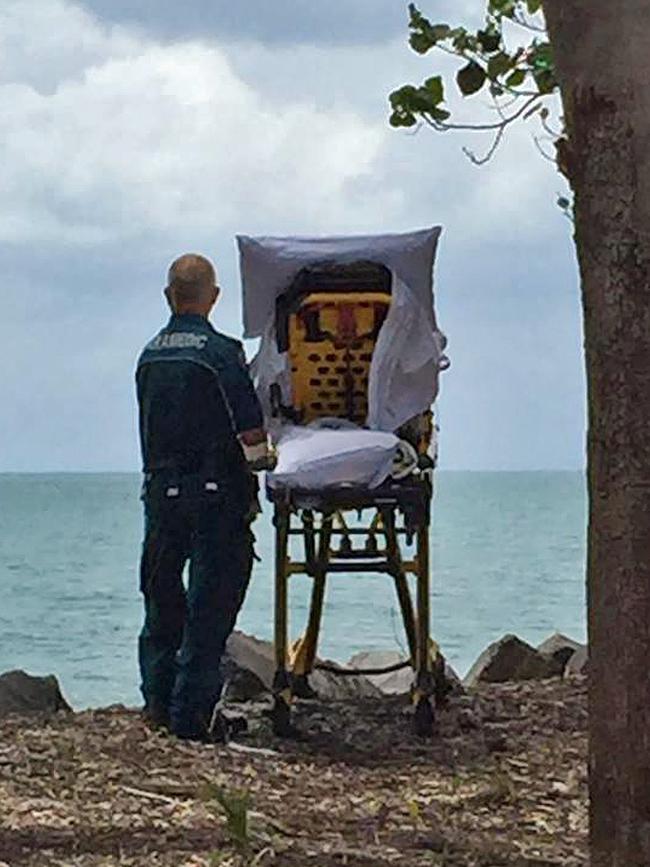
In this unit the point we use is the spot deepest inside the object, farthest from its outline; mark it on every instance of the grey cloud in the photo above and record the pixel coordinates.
(288, 22)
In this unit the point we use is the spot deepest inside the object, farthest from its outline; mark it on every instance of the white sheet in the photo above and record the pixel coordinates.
(313, 459)
(405, 367)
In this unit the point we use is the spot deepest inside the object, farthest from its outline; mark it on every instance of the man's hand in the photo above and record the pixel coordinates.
(260, 454)
(253, 437)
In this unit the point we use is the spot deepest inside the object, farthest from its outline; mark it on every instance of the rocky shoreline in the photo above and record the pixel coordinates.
(502, 783)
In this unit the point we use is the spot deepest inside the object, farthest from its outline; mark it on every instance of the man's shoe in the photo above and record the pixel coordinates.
(221, 729)
(155, 715)
(224, 728)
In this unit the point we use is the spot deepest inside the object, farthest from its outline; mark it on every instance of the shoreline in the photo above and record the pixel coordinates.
(501, 784)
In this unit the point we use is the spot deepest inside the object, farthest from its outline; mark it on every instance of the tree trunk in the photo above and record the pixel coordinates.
(602, 54)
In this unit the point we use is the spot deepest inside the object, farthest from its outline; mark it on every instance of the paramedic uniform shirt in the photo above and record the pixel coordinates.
(195, 395)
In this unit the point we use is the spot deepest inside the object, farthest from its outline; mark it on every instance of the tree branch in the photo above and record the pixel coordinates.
(442, 126)
(526, 24)
(481, 161)
(547, 156)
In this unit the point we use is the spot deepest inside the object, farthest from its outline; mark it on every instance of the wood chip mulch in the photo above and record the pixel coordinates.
(502, 784)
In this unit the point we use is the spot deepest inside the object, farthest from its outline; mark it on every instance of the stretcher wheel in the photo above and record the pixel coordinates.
(301, 688)
(442, 687)
(423, 718)
(281, 718)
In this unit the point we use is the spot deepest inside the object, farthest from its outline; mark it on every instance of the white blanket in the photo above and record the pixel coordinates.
(313, 459)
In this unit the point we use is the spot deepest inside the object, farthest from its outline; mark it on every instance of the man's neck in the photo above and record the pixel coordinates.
(189, 312)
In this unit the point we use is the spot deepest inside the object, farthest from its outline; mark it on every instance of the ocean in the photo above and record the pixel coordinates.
(508, 552)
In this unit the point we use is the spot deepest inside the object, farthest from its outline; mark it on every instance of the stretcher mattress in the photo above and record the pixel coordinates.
(314, 459)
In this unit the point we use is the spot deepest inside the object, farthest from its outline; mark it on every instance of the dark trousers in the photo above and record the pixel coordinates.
(185, 630)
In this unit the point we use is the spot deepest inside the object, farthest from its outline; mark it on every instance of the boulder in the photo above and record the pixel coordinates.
(333, 687)
(578, 664)
(397, 682)
(23, 693)
(243, 685)
(394, 683)
(559, 649)
(454, 680)
(509, 659)
(249, 668)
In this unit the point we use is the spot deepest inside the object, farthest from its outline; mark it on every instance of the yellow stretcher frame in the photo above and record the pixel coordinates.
(330, 326)
(394, 512)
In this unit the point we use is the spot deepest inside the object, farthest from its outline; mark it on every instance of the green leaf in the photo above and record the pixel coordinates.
(415, 15)
(424, 35)
(438, 32)
(545, 80)
(489, 40)
(436, 88)
(402, 118)
(403, 96)
(440, 114)
(542, 64)
(541, 56)
(422, 102)
(461, 40)
(516, 78)
(420, 43)
(502, 8)
(533, 6)
(471, 78)
(498, 65)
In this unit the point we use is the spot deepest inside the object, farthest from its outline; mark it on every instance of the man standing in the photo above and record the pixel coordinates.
(199, 416)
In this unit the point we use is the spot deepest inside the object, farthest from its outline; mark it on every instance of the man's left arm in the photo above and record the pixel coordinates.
(246, 411)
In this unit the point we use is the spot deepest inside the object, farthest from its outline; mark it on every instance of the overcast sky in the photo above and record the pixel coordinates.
(132, 131)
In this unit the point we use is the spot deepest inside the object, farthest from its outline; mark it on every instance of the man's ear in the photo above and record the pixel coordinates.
(168, 295)
(215, 295)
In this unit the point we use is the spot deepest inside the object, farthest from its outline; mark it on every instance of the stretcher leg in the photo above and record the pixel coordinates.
(401, 583)
(281, 684)
(305, 656)
(424, 686)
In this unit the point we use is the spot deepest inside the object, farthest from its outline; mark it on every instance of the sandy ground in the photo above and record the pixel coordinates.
(502, 783)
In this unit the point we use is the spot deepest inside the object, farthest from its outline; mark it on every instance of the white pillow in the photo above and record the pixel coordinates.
(268, 265)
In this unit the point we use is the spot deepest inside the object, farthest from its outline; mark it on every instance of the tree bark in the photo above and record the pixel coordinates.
(602, 54)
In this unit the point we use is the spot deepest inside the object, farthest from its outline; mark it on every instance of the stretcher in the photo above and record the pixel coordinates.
(327, 322)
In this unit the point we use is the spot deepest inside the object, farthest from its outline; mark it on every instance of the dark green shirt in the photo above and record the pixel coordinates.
(195, 395)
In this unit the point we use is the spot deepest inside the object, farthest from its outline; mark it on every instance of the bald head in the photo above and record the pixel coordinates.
(192, 285)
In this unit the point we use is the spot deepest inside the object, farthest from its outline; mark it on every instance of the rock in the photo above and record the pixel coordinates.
(394, 683)
(510, 658)
(578, 664)
(332, 687)
(244, 685)
(23, 693)
(397, 682)
(454, 680)
(249, 667)
(559, 649)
